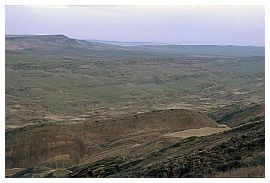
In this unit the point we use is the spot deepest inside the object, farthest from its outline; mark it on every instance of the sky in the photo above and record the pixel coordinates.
(189, 25)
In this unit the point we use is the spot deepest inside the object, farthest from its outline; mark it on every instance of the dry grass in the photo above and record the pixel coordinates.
(258, 171)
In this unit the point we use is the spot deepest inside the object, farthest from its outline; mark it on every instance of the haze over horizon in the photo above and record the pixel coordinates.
(184, 25)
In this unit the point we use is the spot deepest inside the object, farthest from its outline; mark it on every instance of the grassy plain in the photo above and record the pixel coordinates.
(72, 84)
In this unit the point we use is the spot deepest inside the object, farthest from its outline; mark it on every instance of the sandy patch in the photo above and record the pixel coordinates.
(135, 145)
(198, 132)
(57, 117)
(17, 126)
(78, 119)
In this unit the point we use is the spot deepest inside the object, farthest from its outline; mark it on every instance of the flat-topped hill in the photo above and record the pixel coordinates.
(62, 42)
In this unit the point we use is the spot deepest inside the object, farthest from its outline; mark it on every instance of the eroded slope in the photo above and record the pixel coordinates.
(63, 145)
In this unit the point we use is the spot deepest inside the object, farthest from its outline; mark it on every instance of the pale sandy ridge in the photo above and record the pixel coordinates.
(198, 132)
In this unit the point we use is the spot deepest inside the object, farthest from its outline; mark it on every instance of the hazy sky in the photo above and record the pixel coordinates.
(222, 25)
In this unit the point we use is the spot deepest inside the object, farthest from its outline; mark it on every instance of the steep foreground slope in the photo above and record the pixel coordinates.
(193, 157)
(63, 145)
(136, 146)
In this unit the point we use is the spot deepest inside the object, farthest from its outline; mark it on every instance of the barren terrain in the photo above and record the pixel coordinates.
(82, 109)
(198, 132)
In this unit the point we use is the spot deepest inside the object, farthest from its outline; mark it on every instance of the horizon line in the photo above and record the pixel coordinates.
(156, 43)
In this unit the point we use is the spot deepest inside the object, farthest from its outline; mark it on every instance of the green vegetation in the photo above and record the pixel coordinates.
(101, 81)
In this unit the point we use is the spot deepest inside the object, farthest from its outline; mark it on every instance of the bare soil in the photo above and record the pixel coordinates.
(197, 132)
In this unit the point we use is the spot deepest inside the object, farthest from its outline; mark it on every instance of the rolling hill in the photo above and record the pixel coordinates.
(62, 145)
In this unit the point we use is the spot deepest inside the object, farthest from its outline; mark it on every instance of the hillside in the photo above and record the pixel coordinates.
(241, 148)
(49, 43)
(62, 145)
